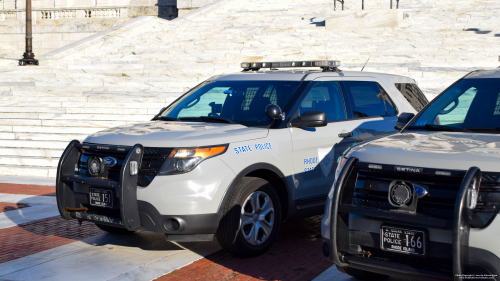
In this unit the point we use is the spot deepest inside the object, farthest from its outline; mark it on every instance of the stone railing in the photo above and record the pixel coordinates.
(57, 14)
(103, 13)
(8, 16)
(75, 13)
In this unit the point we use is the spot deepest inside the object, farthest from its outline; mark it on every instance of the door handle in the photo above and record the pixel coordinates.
(346, 135)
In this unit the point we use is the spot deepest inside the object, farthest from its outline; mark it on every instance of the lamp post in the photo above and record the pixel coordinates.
(28, 57)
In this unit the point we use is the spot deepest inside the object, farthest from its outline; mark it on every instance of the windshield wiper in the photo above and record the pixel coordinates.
(210, 118)
(432, 127)
(166, 118)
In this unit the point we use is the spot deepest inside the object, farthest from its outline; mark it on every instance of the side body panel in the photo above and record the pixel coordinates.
(274, 150)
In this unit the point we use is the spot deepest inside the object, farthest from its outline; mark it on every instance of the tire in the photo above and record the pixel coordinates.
(114, 230)
(365, 275)
(236, 232)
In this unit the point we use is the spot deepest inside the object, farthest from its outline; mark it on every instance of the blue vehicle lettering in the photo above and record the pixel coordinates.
(263, 146)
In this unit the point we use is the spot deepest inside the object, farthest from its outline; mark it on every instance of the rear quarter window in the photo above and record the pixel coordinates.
(413, 95)
(369, 99)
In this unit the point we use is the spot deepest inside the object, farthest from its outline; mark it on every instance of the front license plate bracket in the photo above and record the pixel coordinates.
(101, 198)
(403, 240)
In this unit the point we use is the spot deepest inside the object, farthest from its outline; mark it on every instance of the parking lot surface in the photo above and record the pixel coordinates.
(36, 243)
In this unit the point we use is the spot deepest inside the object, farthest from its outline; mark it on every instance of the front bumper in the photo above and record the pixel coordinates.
(349, 247)
(128, 212)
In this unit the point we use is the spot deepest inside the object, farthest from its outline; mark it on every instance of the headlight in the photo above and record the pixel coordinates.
(183, 160)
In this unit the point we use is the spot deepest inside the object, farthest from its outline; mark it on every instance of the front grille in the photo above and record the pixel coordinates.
(444, 266)
(372, 187)
(152, 161)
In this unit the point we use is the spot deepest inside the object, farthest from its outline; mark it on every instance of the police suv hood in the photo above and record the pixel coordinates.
(440, 150)
(176, 134)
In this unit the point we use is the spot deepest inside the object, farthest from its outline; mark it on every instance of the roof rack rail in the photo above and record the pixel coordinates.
(326, 65)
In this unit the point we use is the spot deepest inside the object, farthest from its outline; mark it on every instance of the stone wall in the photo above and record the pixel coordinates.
(186, 6)
(57, 23)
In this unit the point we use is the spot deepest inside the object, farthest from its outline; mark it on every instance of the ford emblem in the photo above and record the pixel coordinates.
(109, 161)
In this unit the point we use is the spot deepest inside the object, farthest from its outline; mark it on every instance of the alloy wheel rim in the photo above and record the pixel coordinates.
(257, 218)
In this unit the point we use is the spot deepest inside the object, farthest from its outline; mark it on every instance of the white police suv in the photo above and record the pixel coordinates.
(422, 203)
(234, 156)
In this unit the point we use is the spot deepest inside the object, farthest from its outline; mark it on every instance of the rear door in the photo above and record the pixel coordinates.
(315, 150)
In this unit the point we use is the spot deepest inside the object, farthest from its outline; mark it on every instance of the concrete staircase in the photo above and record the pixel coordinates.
(49, 35)
(125, 75)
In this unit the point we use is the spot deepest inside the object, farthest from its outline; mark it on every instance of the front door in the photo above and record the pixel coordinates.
(316, 150)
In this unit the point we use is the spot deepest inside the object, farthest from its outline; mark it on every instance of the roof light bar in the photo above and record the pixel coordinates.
(325, 64)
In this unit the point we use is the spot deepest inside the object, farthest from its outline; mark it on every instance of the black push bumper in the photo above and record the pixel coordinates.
(343, 254)
(125, 189)
(72, 192)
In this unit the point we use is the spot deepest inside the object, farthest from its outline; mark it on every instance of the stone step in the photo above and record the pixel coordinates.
(89, 117)
(26, 152)
(12, 109)
(48, 136)
(125, 78)
(33, 144)
(29, 161)
(8, 170)
(49, 130)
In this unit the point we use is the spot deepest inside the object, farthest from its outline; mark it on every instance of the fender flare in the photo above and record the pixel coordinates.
(248, 170)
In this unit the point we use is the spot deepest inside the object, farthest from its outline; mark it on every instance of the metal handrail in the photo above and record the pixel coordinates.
(335, 4)
(362, 4)
(397, 4)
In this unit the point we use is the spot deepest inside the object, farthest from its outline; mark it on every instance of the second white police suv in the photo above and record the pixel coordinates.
(233, 157)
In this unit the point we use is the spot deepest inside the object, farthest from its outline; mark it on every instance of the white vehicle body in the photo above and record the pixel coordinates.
(298, 161)
(440, 162)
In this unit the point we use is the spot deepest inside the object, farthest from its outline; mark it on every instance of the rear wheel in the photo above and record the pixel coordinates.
(365, 275)
(251, 218)
(113, 230)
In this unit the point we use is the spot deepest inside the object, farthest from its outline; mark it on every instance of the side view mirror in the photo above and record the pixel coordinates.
(310, 119)
(274, 112)
(403, 119)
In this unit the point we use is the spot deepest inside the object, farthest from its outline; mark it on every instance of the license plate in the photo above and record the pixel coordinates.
(402, 240)
(101, 198)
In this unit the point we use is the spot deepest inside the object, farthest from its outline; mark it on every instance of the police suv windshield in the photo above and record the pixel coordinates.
(469, 105)
(241, 102)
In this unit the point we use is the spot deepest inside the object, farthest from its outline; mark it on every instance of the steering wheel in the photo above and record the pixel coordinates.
(446, 111)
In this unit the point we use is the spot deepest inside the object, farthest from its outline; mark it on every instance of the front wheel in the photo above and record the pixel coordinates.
(251, 219)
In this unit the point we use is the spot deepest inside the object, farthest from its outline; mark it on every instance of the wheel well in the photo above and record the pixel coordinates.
(277, 182)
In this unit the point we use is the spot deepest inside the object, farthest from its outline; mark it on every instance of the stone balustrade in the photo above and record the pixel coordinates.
(55, 14)
(7, 16)
(75, 13)
(102, 13)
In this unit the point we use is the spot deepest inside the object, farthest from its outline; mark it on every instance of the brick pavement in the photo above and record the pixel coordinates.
(30, 238)
(295, 256)
(27, 189)
(5, 207)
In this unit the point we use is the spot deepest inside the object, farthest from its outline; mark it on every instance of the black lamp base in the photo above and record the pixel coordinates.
(29, 59)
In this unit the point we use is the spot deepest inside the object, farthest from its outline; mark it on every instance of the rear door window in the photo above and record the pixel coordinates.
(369, 99)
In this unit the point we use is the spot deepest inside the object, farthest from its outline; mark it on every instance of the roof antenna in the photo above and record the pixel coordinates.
(365, 64)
